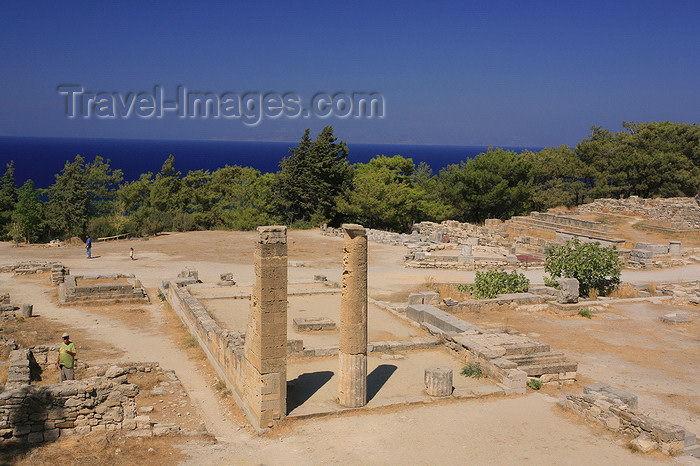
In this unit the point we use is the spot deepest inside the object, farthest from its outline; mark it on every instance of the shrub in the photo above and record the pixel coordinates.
(473, 369)
(595, 267)
(534, 384)
(494, 282)
(585, 313)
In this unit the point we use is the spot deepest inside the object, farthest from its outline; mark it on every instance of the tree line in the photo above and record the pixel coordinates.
(316, 184)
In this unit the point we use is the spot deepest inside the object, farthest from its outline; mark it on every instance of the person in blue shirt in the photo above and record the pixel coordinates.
(88, 246)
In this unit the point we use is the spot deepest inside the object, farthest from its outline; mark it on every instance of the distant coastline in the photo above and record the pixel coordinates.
(41, 158)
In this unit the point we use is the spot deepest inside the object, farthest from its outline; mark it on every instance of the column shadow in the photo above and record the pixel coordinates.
(304, 386)
(377, 378)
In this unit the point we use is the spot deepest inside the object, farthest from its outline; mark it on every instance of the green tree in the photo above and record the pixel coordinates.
(79, 192)
(243, 197)
(136, 194)
(27, 213)
(384, 195)
(558, 177)
(594, 267)
(648, 159)
(311, 178)
(494, 184)
(166, 194)
(8, 198)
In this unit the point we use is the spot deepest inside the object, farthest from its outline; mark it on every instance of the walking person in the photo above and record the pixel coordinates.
(88, 246)
(131, 253)
(66, 358)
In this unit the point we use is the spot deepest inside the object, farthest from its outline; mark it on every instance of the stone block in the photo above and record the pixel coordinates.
(568, 290)
(308, 324)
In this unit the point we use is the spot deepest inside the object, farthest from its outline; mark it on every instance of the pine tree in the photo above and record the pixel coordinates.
(8, 198)
(311, 178)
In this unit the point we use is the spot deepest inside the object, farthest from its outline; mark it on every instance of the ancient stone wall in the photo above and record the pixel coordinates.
(28, 267)
(675, 213)
(35, 414)
(126, 288)
(223, 348)
(617, 410)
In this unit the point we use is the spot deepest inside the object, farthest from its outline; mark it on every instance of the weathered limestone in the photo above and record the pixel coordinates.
(568, 291)
(617, 410)
(265, 346)
(674, 248)
(438, 381)
(31, 414)
(352, 387)
(26, 310)
(311, 324)
(101, 288)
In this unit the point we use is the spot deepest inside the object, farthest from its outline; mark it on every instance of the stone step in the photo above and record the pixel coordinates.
(536, 358)
(536, 370)
(527, 349)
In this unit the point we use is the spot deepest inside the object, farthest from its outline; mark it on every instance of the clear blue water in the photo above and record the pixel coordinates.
(41, 158)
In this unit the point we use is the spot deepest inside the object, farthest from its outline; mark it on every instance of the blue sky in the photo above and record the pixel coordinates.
(457, 73)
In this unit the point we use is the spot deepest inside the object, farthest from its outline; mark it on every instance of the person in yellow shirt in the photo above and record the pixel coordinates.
(66, 358)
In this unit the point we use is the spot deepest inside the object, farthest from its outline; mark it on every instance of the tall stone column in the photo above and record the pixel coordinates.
(352, 388)
(266, 337)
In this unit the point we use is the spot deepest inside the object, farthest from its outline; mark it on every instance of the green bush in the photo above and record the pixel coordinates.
(585, 313)
(534, 384)
(494, 282)
(473, 369)
(594, 267)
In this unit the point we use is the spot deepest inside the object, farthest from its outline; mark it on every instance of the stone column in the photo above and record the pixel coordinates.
(266, 336)
(438, 381)
(352, 387)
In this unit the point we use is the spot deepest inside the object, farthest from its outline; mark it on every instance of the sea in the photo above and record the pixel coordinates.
(41, 158)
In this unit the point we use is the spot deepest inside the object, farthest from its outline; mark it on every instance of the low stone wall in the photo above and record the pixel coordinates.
(35, 414)
(28, 267)
(500, 302)
(296, 349)
(676, 211)
(571, 222)
(223, 348)
(131, 291)
(617, 410)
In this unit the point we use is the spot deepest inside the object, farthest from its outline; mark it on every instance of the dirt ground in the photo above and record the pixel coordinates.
(625, 346)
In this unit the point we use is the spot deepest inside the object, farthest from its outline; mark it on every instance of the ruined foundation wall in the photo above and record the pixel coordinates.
(35, 414)
(675, 212)
(223, 348)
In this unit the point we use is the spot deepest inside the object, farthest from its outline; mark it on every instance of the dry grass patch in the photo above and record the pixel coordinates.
(98, 449)
(624, 291)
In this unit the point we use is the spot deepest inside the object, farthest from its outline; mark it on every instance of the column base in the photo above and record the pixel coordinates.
(352, 387)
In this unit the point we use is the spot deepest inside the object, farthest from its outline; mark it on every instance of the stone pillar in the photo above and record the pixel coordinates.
(352, 387)
(266, 337)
